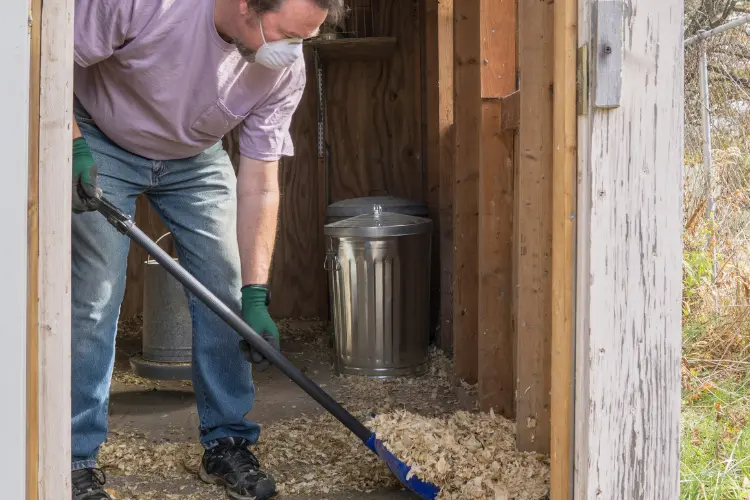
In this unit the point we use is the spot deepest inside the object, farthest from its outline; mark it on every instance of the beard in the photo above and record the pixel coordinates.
(246, 53)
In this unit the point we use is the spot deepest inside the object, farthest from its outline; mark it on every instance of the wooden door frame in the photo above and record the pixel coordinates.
(629, 250)
(48, 401)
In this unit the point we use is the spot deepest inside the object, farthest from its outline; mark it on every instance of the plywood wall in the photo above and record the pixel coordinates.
(373, 112)
(374, 142)
(298, 281)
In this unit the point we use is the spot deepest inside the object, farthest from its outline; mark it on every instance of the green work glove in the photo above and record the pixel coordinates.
(85, 191)
(255, 312)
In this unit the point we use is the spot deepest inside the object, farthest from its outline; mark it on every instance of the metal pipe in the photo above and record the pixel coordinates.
(719, 29)
(123, 223)
(708, 163)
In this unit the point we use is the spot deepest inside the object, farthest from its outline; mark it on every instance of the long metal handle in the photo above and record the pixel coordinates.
(123, 223)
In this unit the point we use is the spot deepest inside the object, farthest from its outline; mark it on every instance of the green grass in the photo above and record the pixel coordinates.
(715, 430)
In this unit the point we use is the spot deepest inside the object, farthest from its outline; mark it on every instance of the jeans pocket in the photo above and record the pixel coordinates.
(216, 120)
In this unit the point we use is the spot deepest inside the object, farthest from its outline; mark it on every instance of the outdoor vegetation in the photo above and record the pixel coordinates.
(715, 434)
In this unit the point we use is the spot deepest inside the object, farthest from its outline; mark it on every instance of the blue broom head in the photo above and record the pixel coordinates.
(424, 489)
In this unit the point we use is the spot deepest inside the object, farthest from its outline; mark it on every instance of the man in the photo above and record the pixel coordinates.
(157, 84)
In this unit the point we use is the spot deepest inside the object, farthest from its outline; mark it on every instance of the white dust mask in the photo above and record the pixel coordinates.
(279, 54)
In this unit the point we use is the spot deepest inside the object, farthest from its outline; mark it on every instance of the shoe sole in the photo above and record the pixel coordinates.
(218, 481)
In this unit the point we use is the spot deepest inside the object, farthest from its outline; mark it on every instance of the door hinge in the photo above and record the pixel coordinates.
(582, 80)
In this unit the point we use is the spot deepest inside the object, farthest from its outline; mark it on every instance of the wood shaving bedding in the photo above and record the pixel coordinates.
(305, 455)
(468, 455)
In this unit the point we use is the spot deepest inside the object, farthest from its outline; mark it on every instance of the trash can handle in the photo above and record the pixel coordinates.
(162, 236)
(331, 256)
(148, 259)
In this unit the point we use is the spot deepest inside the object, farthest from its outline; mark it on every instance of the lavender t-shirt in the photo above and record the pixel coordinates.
(161, 83)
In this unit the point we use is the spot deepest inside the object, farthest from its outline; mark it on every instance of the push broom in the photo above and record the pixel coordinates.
(125, 225)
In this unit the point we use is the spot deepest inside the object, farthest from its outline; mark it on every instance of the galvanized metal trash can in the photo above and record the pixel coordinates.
(167, 327)
(351, 207)
(379, 265)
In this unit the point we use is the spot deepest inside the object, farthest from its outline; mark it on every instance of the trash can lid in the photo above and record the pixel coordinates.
(358, 206)
(379, 223)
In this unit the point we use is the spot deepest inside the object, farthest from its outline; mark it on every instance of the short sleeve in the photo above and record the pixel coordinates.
(264, 134)
(101, 26)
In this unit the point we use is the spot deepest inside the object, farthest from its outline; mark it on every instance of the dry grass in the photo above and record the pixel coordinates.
(715, 444)
(718, 347)
(715, 431)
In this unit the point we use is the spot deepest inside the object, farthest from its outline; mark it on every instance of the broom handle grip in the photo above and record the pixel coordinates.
(123, 223)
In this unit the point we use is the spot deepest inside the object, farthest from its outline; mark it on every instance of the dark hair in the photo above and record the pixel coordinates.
(336, 8)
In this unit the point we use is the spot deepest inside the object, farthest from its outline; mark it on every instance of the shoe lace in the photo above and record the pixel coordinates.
(91, 483)
(243, 458)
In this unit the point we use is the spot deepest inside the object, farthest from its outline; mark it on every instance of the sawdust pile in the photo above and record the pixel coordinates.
(320, 455)
(467, 455)
(129, 378)
(432, 394)
(305, 455)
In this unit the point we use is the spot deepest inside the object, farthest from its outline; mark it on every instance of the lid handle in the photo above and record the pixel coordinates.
(378, 210)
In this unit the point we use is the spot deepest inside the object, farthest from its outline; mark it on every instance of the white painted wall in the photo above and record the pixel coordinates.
(14, 127)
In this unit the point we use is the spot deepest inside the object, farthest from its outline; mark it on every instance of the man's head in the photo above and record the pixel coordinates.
(250, 24)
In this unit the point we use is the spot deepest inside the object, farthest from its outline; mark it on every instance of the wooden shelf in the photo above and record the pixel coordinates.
(354, 49)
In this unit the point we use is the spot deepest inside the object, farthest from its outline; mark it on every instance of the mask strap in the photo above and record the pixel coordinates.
(263, 37)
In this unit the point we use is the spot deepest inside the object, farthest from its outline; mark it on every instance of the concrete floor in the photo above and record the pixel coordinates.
(165, 412)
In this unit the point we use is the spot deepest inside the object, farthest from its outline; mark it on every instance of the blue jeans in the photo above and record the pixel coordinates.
(196, 199)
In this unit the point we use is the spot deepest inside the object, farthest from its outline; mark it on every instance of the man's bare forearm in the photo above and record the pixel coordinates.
(257, 218)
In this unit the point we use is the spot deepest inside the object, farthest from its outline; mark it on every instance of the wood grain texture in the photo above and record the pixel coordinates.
(298, 281)
(495, 242)
(510, 118)
(496, 204)
(468, 111)
(431, 139)
(563, 242)
(582, 256)
(498, 32)
(55, 123)
(32, 300)
(446, 174)
(438, 157)
(629, 267)
(373, 115)
(355, 49)
(533, 246)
